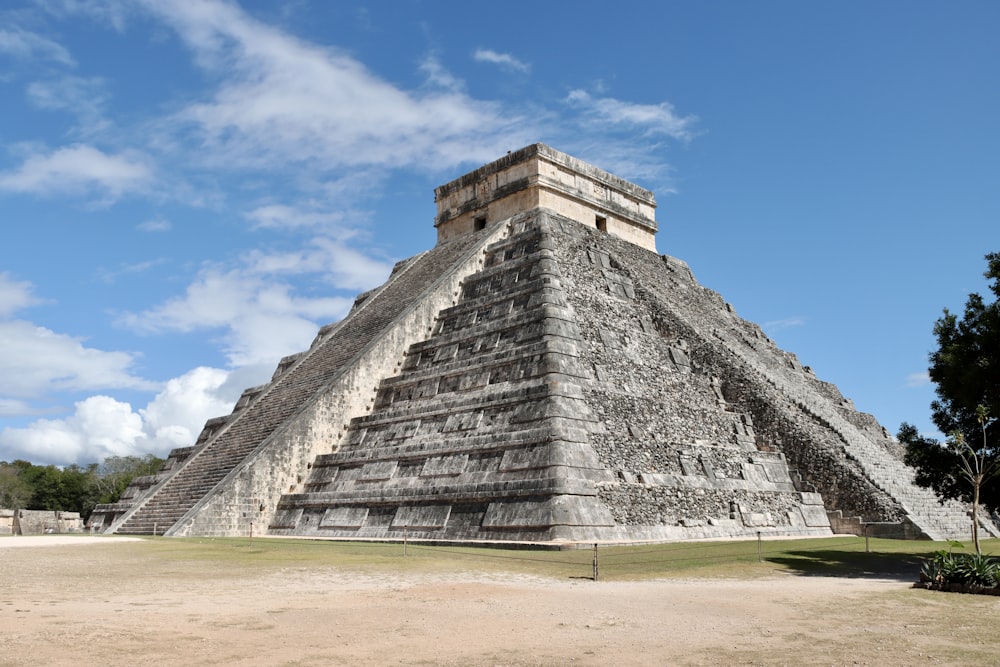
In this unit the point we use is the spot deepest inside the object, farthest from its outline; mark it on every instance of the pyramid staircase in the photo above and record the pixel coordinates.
(539, 375)
(278, 402)
(873, 452)
(859, 437)
(483, 431)
(488, 432)
(922, 507)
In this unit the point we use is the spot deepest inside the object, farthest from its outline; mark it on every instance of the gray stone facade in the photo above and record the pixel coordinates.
(541, 376)
(39, 522)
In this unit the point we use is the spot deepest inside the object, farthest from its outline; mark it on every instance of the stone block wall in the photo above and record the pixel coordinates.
(39, 522)
(683, 456)
(140, 488)
(547, 404)
(540, 176)
(844, 454)
(280, 463)
(479, 435)
(541, 374)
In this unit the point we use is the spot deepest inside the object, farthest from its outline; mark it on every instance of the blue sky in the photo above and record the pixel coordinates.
(189, 190)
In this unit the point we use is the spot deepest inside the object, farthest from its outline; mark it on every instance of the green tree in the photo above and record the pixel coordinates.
(966, 369)
(116, 472)
(24, 485)
(46, 488)
(15, 492)
(77, 490)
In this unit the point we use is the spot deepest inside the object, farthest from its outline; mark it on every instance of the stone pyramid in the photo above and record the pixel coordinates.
(540, 375)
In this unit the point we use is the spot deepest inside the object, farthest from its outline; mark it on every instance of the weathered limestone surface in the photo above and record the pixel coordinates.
(484, 433)
(778, 406)
(541, 408)
(542, 374)
(264, 448)
(105, 514)
(539, 176)
(38, 522)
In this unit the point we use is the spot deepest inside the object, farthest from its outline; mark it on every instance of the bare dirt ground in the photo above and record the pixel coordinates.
(107, 603)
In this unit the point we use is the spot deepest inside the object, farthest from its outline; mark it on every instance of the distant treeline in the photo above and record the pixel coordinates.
(24, 485)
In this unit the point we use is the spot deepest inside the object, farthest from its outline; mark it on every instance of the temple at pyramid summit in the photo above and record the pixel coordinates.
(540, 375)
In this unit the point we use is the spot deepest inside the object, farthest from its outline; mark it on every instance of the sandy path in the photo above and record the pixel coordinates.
(60, 540)
(87, 605)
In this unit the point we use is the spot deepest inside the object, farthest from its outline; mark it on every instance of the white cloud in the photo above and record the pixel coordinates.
(15, 295)
(651, 119)
(787, 323)
(503, 59)
(282, 99)
(35, 361)
(78, 169)
(101, 426)
(625, 138)
(281, 216)
(112, 275)
(265, 336)
(261, 318)
(176, 416)
(438, 75)
(215, 299)
(82, 97)
(155, 225)
(10, 407)
(111, 12)
(922, 379)
(340, 265)
(26, 45)
(278, 99)
(307, 114)
(262, 306)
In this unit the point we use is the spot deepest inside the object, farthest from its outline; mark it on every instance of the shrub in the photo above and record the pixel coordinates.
(946, 568)
(978, 570)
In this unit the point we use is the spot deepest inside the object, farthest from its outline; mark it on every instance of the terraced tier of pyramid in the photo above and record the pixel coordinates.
(541, 375)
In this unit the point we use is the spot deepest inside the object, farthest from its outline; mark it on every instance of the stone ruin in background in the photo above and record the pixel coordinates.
(541, 374)
(39, 522)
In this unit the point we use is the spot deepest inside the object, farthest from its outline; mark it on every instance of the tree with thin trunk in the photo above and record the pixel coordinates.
(977, 466)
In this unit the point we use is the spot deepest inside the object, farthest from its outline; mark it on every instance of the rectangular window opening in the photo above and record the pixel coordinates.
(602, 223)
(480, 224)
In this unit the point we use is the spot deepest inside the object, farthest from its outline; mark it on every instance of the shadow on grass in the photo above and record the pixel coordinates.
(832, 563)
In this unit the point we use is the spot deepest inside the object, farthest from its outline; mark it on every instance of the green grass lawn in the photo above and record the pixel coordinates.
(843, 556)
